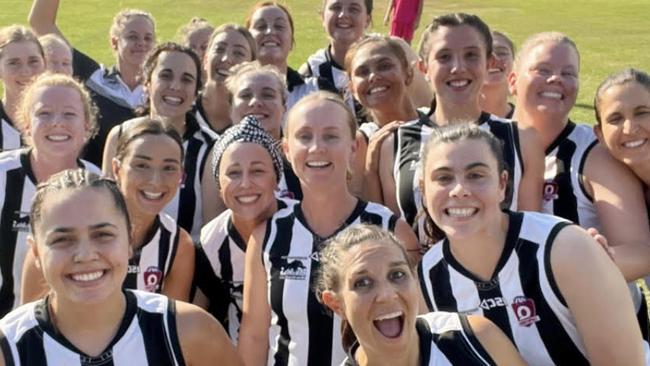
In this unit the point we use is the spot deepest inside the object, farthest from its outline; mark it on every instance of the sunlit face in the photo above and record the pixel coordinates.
(319, 144)
(378, 79)
(271, 30)
(463, 187)
(58, 128)
(457, 64)
(134, 42)
(345, 20)
(546, 81)
(173, 84)
(82, 246)
(198, 41)
(247, 180)
(150, 173)
(500, 65)
(378, 296)
(625, 123)
(259, 95)
(20, 63)
(229, 48)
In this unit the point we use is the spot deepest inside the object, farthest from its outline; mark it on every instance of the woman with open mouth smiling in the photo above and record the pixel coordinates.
(80, 237)
(148, 170)
(280, 308)
(495, 91)
(56, 118)
(519, 269)
(172, 78)
(365, 278)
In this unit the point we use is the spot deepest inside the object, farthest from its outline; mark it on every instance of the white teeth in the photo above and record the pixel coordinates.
(633, 144)
(257, 115)
(494, 71)
(458, 83)
(270, 44)
(86, 277)
(392, 315)
(461, 212)
(377, 89)
(152, 195)
(552, 95)
(248, 199)
(317, 164)
(223, 72)
(172, 100)
(58, 137)
(344, 26)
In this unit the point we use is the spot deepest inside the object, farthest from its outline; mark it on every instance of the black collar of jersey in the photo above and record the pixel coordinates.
(330, 58)
(514, 226)
(482, 118)
(112, 74)
(566, 131)
(42, 315)
(191, 125)
(4, 116)
(26, 163)
(358, 209)
(234, 234)
(293, 79)
(424, 119)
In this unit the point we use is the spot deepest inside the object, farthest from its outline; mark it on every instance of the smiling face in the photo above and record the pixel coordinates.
(545, 82)
(247, 180)
(625, 123)
(272, 32)
(501, 65)
(198, 41)
(229, 48)
(150, 173)
(173, 85)
(259, 95)
(135, 40)
(82, 246)
(345, 20)
(463, 187)
(58, 128)
(58, 58)
(20, 63)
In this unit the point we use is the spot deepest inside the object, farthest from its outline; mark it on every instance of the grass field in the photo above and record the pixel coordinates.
(610, 34)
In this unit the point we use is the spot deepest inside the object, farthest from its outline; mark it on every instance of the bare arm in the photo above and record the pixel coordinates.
(609, 331)
(203, 340)
(386, 163)
(42, 17)
(495, 342)
(373, 162)
(253, 341)
(389, 10)
(179, 280)
(407, 237)
(532, 181)
(355, 184)
(33, 285)
(212, 203)
(416, 24)
(619, 200)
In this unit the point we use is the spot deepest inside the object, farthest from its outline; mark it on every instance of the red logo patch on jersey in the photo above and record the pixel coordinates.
(550, 190)
(524, 309)
(152, 279)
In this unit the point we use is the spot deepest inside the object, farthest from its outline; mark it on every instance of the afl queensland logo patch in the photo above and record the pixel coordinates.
(525, 312)
(152, 278)
(294, 268)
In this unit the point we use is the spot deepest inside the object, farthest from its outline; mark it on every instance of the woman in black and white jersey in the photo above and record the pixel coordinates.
(116, 90)
(56, 118)
(280, 308)
(148, 169)
(534, 275)
(172, 77)
(80, 237)
(21, 60)
(366, 279)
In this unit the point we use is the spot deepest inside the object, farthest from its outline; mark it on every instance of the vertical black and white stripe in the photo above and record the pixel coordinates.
(146, 336)
(322, 65)
(522, 298)
(150, 264)
(302, 331)
(202, 119)
(187, 205)
(446, 339)
(9, 134)
(19, 186)
(300, 87)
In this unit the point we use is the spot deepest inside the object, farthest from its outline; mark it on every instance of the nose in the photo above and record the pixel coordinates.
(156, 176)
(245, 180)
(459, 190)
(175, 84)
(629, 126)
(255, 101)
(457, 64)
(84, 251)
(385, 292)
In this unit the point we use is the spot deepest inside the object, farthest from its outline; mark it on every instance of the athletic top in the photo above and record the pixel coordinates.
(409, 142)
(220, 259)
(289, 184)
(9, 134)
(19, 187)
(300, 87)
(302, 332)
(150, 264)
(114, 100)
(146, 336)
(406, 11)
(202, 119)
(522, 298)
(445, 339)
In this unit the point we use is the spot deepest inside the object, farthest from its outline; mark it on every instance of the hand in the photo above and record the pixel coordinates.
(602, 240)
(375, 142)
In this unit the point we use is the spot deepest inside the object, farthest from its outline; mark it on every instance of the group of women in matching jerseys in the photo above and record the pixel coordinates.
(335, 215)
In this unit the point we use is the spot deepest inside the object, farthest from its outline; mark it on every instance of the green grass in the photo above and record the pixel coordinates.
(611, 35)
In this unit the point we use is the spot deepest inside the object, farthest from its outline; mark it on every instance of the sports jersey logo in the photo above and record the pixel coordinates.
(20, 221)
(524, 309)
(152, 279)
(294, 268)
(495, 302)
(550, 190)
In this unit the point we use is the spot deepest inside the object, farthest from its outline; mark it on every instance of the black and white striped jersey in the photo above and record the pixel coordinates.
(300, 87)
(187, 205)
(150, 264)
(19, 187)
(9, 134)
(446, 339)
(564, 191)
(146, 336)
(522, 298)
(202, 119)
(219, 270)
(302, 331)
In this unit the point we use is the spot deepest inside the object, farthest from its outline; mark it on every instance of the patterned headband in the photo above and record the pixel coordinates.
(248, 130)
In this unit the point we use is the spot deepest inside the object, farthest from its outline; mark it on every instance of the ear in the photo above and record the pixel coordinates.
(115, 167)
(285, 148)
(503, 184)
(598, 130)
(409, 76)
(114, 41)
(332, 301)
(422, 66)
(32, 246)
(512, 83)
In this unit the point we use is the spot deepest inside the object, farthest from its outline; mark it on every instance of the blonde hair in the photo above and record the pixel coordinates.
(253, 68)
(123, 16)
(18, 33)
(541, 38)
(195, 24)
(326, 97)
(51, 80)
(232, 27)
(51, 38)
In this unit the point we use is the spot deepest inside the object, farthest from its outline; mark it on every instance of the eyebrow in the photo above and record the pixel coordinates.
(467, 167)
(65, 230)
